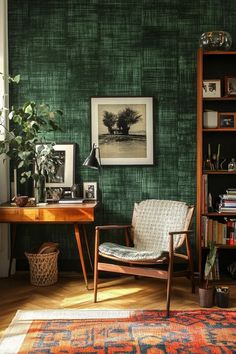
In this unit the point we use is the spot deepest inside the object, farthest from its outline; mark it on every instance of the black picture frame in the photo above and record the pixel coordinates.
(226, 120)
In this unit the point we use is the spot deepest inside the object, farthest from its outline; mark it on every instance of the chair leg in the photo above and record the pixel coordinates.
(96, 265)
(170, 275)
(95, 283)
(169, 283)
(190, 259)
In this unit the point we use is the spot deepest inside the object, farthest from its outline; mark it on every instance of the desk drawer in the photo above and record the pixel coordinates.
(9, 215)
(66, 215)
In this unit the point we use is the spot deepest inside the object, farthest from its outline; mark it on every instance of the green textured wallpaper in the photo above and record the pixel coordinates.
(67, 51)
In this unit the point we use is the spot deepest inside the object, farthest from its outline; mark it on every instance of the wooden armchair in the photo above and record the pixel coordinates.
(159, 228)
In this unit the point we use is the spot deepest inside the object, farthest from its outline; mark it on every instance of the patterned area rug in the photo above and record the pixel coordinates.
(106, 331)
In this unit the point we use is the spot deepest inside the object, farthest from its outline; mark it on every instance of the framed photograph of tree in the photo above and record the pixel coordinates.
(122, 128)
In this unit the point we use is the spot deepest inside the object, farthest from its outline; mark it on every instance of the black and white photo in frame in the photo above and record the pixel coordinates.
(90, 190)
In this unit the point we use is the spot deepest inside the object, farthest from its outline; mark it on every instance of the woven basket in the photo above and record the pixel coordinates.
(43, 268)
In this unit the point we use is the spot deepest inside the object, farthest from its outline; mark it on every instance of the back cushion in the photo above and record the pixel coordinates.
(154, 220)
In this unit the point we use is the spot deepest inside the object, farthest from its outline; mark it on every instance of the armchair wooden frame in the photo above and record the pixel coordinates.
(135, 267)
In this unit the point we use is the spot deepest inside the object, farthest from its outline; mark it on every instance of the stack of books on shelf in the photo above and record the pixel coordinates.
(228, 201)
(220, 232)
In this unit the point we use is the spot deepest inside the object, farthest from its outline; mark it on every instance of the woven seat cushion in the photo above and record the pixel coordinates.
(127, 253)
(152, 222)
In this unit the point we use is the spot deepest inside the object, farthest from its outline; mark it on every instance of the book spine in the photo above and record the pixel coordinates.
(204, 194)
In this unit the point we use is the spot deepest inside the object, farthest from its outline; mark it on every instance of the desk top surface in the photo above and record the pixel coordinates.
(51, 205)
(55, 213)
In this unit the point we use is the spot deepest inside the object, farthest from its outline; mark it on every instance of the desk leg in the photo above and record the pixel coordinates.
(12, 246)
(78, 240)
(87, 245)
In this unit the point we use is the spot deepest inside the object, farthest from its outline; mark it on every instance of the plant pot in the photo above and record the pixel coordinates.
(206, 297)
(222, 297)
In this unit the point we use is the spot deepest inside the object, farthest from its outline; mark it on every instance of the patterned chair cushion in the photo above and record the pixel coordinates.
(152, 221)
(127, 253)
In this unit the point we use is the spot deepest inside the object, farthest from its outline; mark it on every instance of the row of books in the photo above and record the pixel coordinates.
(222, 233)
(228, 201)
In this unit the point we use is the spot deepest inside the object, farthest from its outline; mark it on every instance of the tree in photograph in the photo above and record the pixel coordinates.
(109, 120)
(126, 118)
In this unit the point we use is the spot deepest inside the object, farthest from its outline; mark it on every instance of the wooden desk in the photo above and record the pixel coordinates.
(51, 213)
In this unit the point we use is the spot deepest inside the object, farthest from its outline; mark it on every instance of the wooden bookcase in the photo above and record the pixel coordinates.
(215, 68)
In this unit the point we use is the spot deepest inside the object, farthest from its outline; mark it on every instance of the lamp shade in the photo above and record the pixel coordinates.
(92, 161)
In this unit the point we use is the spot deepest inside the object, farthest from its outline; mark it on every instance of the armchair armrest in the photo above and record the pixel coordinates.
(171, 250)
(173, 233)
(126, 228)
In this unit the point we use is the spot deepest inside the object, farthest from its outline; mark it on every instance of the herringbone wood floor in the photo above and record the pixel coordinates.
(121, 293)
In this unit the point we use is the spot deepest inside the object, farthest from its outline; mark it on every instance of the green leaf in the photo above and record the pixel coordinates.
(28, 109)
(20, 164)
(26, 174)
(24, 155)
(16, 79)
(210, 260)
(18, 139)
(23, 180)
(11, 115)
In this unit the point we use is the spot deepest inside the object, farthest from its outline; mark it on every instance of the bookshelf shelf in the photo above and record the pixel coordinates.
(220, 172)
(217, 130)
(223, 247)
(222, 214)
(226, 98)
(215, 148)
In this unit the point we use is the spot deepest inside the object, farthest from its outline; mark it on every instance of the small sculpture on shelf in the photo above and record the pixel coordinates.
(213, 160)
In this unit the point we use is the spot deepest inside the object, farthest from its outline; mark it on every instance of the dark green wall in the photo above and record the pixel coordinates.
(67, 51)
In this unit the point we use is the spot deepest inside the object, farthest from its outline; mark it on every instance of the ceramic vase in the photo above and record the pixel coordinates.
(215, 40)
(40, 192)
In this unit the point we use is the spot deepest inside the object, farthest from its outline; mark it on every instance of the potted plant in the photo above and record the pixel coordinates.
(32, 155)
(206, 291)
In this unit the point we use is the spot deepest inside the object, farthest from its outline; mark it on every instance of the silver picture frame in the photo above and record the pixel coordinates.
(65, 175)
(122, 129)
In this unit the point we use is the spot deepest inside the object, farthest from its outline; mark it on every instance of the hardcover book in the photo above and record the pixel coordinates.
(71, 200)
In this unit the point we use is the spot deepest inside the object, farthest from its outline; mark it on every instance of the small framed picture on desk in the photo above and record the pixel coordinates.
(90, 190)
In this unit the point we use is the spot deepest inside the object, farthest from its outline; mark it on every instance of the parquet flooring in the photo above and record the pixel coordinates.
(121, 293)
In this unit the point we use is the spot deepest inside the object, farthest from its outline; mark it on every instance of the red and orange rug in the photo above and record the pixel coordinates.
(132, 332)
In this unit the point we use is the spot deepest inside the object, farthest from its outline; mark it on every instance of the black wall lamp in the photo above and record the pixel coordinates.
(91, 161)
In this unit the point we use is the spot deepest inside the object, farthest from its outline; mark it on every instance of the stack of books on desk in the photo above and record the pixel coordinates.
(71, 200)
